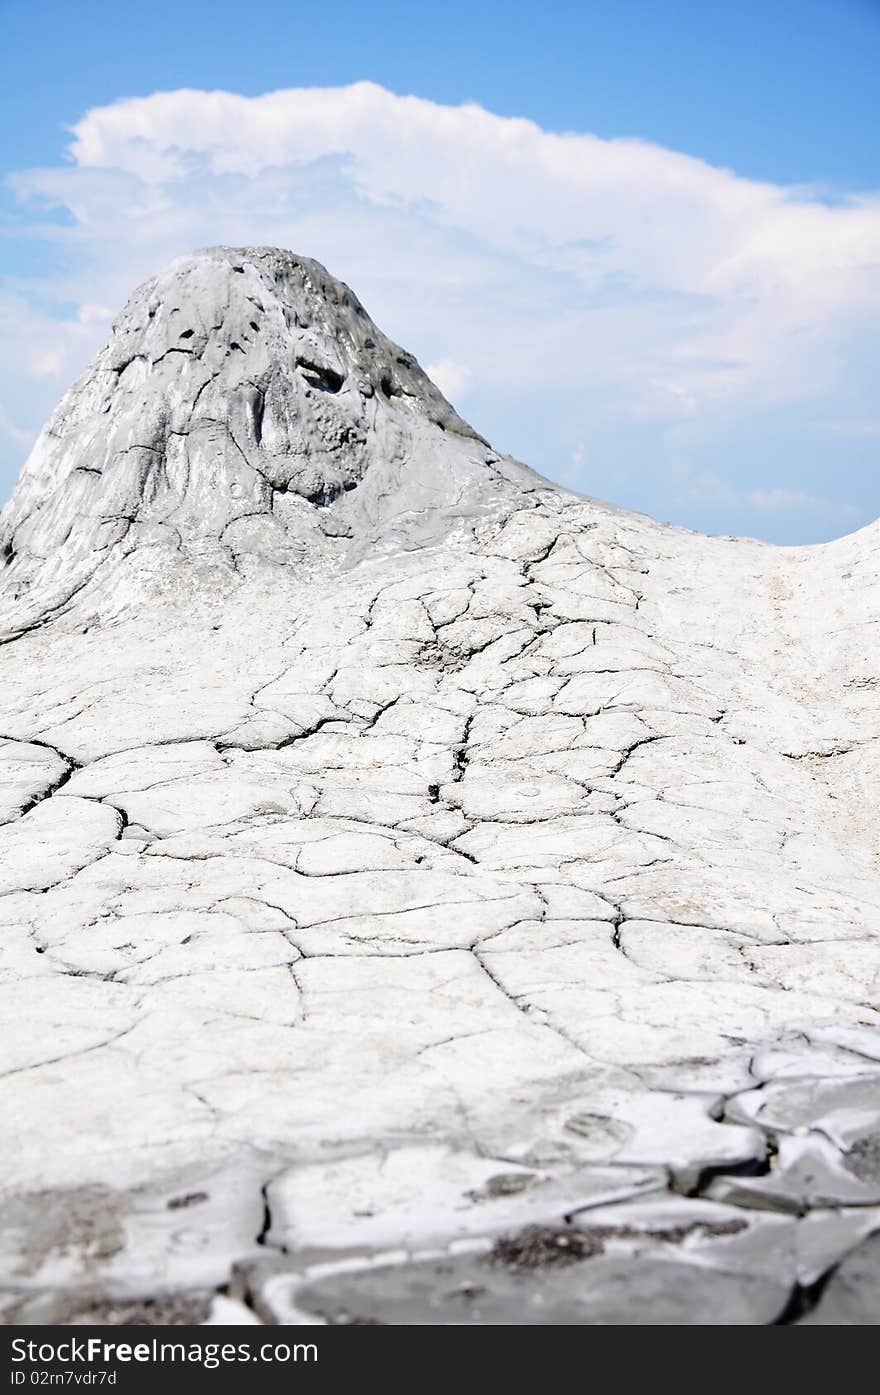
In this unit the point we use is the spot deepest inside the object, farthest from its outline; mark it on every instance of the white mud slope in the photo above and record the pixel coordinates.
(426, 895)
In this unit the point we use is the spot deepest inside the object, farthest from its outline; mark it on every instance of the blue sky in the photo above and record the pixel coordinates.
(674, 307)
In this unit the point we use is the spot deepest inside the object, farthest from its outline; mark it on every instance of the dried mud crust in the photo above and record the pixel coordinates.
(512, 859)
(157, 1312)
(539, 1246)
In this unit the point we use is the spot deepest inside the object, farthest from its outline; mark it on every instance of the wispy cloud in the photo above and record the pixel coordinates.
(15, 433)
(453, 379)
(788, 500)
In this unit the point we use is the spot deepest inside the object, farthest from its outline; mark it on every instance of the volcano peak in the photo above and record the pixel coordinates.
(245, 406)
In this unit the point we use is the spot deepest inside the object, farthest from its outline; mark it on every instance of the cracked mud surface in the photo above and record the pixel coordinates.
(441, 879)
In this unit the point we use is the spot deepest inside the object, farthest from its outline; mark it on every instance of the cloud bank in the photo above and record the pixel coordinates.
(628, 318)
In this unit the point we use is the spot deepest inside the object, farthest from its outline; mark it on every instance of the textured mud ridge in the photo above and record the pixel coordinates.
(426, 895)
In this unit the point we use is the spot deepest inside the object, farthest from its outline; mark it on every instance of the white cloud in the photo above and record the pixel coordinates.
(708, 488)
(15, 433)
(48, 364)
(755, 264)
(452, 378)
(94, 314)
(602, 278)
(785, 500)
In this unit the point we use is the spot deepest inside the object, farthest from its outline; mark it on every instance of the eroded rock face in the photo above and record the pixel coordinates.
(244, 407)
(446, 867)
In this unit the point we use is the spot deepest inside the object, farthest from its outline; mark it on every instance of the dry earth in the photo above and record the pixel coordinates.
(427, 895)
